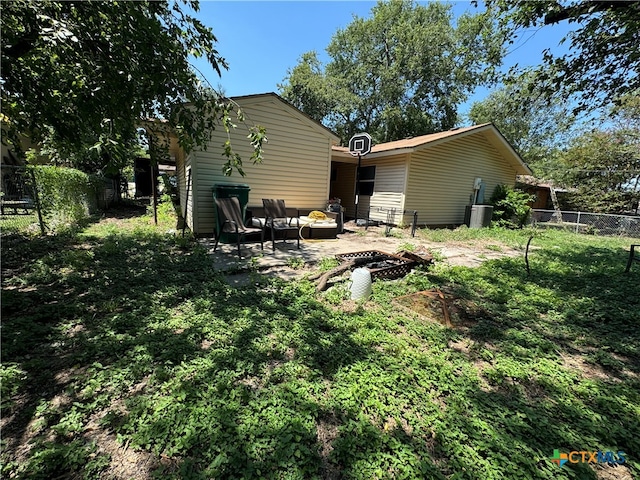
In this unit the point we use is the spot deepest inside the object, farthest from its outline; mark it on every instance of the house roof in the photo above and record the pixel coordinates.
(408, 145)
(531, 181)
(267, 96)
(303, 116)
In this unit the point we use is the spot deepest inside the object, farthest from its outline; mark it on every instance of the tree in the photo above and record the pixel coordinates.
(536, 126)
(402, 72)
(626, 114)
(603, 166)
(604, 48)
(309, 89)
(85, 74)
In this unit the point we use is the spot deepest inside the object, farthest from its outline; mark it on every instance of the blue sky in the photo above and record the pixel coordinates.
(261, 40)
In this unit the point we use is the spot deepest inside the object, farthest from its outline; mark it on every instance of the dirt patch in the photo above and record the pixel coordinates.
(613, 472)
(327, 432)
(468, 253)
(430, 304)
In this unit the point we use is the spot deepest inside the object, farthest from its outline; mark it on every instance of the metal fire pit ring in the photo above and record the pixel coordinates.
(383, 265)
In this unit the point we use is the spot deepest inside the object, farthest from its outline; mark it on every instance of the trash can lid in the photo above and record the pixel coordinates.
(231, 185)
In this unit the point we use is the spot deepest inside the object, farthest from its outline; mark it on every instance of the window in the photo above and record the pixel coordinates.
(366, 181)
(367, 173)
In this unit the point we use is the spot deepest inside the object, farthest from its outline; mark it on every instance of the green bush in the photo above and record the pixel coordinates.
(66, 195)
(510, 207)
(166, 209)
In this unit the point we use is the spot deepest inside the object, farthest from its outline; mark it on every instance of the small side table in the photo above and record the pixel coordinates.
(339, 211)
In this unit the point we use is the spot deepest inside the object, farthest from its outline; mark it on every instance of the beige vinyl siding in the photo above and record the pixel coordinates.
(388, 190)
(183, 167)
(440, 181)
(296, 164)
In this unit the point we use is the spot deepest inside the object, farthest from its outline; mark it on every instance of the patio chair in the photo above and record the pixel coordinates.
(276, 220)
(231, 221)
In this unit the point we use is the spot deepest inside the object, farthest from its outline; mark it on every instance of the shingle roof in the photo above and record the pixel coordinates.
(415, 141)
(409, 144)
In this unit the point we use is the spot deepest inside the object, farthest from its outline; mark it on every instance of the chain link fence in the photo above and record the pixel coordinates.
(18, 202)
(23, 207)
(590, 223)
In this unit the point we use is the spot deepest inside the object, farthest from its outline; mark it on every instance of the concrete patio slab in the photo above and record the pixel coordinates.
(355, 239)
(310, 252)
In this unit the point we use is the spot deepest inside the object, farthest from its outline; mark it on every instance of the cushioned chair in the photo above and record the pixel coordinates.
(231, 221)
(276, 220)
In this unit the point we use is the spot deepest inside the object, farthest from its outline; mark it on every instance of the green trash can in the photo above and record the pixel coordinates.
(228, 190)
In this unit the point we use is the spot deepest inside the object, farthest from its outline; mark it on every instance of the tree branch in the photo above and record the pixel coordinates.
(589, 8)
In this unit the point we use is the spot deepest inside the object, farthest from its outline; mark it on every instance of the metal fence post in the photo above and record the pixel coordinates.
(36, 197)
(414, 225)
(578, 222)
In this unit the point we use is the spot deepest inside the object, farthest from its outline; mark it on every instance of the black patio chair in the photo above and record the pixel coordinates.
(231, 221)
(276, 220)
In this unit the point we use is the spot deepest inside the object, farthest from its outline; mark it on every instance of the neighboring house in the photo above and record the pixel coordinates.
(541, 190)
(437, 175)
(296, 165)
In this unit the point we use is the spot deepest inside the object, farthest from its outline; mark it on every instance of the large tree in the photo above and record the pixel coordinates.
(535, 125)
(402, 72)
(604, 169)
(603, 166)
(603, 58)
(86, 73)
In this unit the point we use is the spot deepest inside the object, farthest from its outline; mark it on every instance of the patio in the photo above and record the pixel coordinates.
(311, 251)
(281, 261)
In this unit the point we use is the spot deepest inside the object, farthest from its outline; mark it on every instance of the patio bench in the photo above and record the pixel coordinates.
(23, 204)
(318, 229)
(309, 229)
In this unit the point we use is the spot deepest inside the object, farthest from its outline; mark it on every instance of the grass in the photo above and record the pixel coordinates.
(513, 238)
(23, 223)
(122, 345)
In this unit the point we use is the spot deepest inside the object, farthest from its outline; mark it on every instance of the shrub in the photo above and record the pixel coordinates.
(510, 207)
(66, 195)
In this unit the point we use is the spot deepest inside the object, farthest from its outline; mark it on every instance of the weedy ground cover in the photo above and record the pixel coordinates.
(121, 345)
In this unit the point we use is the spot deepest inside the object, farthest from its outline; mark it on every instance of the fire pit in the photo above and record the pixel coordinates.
(381, 265)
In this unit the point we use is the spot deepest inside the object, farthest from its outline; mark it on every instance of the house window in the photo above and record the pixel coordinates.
(366, 180)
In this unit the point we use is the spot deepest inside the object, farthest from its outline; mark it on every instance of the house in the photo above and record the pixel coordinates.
(296, 165)
(541, 190)
(437, 175)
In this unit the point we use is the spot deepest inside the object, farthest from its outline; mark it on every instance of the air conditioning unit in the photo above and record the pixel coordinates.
(478, 216)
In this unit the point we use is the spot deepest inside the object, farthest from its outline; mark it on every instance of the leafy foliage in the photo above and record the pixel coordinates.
(85, 74)
(510, 207)
(603, 60)
(66, 195)
(402, 72)
(11, 380)
(123, 334)
(602, 166)
(604, 169)
(535, 125)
